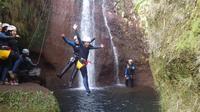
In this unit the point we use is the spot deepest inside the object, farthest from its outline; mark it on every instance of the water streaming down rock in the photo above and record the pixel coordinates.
(114, 49)
(67, 12)
(87, 29)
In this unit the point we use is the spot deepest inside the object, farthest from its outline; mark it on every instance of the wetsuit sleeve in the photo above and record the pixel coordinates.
(13, 43)
(16, 64)
(92, 40)
(94, 47)
(5, 38)
(71, 43)
(30, 61)
(126, 72)
(79, 38)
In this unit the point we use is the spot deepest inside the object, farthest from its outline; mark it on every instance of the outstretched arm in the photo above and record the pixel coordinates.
(92, 40)
(5, 38)
(96, 47)
(71, 43)
(77, 34)
(126, 72)
(30, 61)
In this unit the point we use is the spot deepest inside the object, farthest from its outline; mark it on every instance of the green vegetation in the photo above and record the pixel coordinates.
(20, 101)
(30, 17)
(172, 29)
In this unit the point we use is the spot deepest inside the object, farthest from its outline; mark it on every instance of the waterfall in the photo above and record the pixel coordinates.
(114, 49)
(87, 28)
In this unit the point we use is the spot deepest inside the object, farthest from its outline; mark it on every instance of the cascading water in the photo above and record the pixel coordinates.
(87, 29)
(114, 49)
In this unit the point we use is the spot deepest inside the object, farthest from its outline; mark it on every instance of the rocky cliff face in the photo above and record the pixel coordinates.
(173, 29)
(67, 12)
(130, 43)
(62, 18)
(56, 53)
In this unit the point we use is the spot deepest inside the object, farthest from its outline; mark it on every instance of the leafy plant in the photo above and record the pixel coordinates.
(172, 29)
(20, 101)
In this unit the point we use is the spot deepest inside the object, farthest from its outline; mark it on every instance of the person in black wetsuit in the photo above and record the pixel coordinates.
(129, 73)
(84, 49)
(75, 45)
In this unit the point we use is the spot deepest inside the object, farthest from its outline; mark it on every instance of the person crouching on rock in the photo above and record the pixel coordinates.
(23, 62)
(129, 73)
(84, 48)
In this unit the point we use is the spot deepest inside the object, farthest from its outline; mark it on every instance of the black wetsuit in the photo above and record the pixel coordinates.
(72, 60)
(83, 54)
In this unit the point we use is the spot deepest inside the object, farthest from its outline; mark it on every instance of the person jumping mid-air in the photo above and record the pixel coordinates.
(84, 48)
(73, 60)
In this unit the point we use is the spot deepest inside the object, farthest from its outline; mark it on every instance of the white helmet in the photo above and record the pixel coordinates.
(5, 24)
(11, 28)
(86, 39)
(130, 60)
(25, 51)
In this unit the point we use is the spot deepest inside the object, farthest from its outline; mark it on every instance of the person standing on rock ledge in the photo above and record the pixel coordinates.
(82, 62)
(129, 73)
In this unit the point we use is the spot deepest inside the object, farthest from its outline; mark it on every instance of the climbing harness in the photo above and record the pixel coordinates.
(81, 63)
(4, 54)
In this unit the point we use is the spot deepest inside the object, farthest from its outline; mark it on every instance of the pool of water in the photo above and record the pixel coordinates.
(108, 99)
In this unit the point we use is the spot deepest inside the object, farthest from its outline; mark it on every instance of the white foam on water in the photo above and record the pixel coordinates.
(82, 88)
(87, 28)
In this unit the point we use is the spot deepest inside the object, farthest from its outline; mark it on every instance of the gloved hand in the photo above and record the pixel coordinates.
(75, 26)
(102, 46)
(35, 65)
(63, 35)
(17, 36)
(126, 77)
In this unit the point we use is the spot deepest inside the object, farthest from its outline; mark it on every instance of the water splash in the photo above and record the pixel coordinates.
(114, 49)
(87, 23)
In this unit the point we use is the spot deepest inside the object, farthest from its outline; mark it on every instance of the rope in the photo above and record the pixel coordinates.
(43, 10)
(44, 39)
